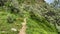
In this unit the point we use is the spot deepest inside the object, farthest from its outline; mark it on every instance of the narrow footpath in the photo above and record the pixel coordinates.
(23, 29)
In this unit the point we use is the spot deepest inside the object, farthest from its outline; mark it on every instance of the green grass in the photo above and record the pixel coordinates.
(35, 28)
(5, 26)
(38, 25)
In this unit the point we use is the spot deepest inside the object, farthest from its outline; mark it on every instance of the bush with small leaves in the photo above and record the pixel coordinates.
(10, 19)
(13, 10)
(2, 2)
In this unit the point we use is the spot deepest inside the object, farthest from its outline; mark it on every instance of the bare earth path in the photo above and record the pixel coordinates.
(23, 29)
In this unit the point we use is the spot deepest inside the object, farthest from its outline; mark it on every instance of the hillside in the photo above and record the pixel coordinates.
(12, 15)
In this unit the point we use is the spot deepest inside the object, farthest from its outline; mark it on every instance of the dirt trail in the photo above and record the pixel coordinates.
(23, 29)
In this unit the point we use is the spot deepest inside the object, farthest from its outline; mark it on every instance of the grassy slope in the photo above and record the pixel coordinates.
(4, 26)
(33, 26)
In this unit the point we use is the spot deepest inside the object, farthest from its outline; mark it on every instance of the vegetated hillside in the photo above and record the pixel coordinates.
(12, 17)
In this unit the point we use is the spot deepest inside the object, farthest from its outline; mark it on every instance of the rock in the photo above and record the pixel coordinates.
(13, 29)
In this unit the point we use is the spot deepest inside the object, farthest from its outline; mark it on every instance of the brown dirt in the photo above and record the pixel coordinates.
(23, 29)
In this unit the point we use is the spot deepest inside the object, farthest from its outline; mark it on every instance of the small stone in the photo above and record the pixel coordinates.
(13, 29)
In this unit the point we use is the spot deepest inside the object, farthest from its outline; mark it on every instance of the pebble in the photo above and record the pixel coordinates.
(13, 29)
